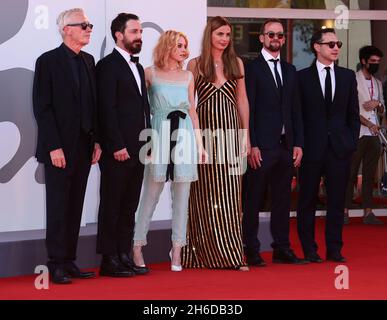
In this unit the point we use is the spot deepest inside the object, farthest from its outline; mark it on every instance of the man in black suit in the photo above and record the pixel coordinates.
(276, 138)
(330, 110)
(64, 100)
(124, 113)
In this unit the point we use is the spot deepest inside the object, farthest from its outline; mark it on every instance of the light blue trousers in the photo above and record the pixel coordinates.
(150, 198)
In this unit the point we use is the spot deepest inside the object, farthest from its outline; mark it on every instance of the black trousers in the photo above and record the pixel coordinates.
(276, 173)
(368, 154)
(65, 192)
(120, 190)
(336, 173)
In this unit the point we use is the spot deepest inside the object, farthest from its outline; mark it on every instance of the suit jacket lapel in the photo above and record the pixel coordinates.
(90, 74)
(338, 79)
(144, 95)
(316, 82)
(142, 77)
(317, 89)
(267, 72)
(125, 65)
(284, 71)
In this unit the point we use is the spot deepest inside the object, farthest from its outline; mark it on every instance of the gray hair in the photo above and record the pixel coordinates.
(64, 17)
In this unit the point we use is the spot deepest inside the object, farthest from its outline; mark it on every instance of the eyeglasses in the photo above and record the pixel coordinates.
(83, 25)
(331, 44)
(272, 34)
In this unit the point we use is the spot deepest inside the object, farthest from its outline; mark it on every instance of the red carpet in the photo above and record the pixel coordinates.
(365, 248)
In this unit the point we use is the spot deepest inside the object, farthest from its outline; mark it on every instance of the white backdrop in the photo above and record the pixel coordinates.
(22, 198)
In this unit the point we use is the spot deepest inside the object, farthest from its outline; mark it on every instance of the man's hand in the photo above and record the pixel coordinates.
(374, 129)
(246, 147)
(121, 155)
(96, 153)
(255, 158)
(203, 156)
(370, 105)
(297, 156)
(58, 159)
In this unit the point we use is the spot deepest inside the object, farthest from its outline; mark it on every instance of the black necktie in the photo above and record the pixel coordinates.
(328, 88)
(134, 59)
(277, 76)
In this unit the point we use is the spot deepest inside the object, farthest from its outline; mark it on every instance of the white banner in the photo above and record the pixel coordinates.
(27, 29)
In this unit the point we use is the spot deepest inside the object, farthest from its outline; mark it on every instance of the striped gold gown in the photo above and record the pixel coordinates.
(214, 232)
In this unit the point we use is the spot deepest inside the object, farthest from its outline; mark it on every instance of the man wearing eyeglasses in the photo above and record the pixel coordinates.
(330, 110)
(64, 100)
(276, 138)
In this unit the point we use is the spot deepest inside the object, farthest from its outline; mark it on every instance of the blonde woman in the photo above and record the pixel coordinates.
(171, 97)
(214, 226)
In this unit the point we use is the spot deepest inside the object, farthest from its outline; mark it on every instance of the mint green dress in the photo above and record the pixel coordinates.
(166, 96)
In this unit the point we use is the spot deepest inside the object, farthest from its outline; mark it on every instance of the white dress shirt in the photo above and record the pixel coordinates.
(373, 96)
(368, 90)
(322, 73)
(132, 66)
(267, 56)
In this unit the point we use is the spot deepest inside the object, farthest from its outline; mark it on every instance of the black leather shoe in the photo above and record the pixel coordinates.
(74, 271)
(287, 256)
(60, 276)
(111, 266)
(255, 260)
(335, 257)
(313, 257)
(129, 264)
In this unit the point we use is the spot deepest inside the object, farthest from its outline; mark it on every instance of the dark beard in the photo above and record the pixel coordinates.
(133, 47)
(273, 48)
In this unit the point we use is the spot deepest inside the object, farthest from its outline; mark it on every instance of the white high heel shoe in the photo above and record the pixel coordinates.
(174, 267)
(142, 259)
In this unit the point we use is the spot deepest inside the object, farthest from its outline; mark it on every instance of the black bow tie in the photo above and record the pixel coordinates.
(134, 59)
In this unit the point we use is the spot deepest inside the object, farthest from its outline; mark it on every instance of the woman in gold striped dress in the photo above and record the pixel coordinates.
(214, 221)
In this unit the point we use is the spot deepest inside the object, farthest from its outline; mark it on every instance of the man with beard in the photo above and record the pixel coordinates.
(124, 113)
(276, 134)
(368, 150)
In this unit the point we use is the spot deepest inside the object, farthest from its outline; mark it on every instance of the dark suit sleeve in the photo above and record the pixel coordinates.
(107, 107)
(42, 105)
(298, 126)
(250, 80)
(96, 112)
(146, 106)
(353, 119)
